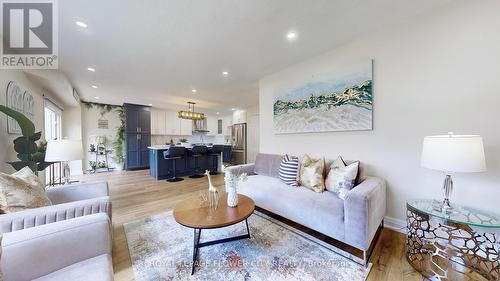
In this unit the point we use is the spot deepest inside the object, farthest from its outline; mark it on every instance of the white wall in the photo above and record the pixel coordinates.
(90, 129)
(253, 128)
(436, 73)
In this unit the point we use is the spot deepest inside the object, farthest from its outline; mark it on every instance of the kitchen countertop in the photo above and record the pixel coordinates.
(165, 147)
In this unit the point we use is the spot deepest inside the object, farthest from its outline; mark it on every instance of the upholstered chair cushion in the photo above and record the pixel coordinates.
(21, 190)
(341, 177)
(311, 173)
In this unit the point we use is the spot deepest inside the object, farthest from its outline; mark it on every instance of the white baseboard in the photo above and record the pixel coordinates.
(395, 224)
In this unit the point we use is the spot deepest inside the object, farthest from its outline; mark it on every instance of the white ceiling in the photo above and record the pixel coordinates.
(156, 51)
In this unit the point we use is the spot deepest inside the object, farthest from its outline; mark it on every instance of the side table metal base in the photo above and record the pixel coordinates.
(442, 250)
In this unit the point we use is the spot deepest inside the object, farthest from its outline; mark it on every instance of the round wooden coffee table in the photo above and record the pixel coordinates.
(191, 213)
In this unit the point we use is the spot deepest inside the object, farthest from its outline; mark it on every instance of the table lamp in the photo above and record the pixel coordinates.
(64, 151)
(453, 154)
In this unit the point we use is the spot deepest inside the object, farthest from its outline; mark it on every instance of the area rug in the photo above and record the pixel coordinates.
(161, 249)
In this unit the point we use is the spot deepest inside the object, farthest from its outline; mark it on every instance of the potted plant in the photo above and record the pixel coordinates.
(184, 142)
(93, 165)
(30, 153)
(232, 181)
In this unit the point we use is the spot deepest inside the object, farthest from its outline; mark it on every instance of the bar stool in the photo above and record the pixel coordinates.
(197, 152)
(174, 153)
(216, 152)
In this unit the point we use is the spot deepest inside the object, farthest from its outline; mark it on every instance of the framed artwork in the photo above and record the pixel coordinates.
(21, 102)
(340, 100)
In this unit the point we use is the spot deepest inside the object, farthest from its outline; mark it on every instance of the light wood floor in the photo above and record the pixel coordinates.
(135, 195)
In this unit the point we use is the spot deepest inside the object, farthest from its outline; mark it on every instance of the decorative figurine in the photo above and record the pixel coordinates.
(213, 194)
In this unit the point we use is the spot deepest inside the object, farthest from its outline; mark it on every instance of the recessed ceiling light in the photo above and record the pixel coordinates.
(81, 24)
(218, 113)
(291, 35)
(91, 69)
(233, 109)
(225, 73)
(94, 86)
(96, 98)
(194, 90)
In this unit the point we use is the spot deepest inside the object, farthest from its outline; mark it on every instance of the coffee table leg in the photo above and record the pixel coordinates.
(197, 235)
(248, 229)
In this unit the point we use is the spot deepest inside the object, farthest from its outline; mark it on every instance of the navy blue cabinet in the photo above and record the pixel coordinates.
(138, 136)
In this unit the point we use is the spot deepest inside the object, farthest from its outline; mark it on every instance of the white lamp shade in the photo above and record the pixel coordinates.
(454, 153)
(63, 150)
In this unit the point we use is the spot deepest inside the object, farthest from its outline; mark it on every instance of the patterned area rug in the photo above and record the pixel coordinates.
(161, 249)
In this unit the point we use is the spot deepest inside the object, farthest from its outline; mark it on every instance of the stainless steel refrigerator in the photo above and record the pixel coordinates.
(239, 136)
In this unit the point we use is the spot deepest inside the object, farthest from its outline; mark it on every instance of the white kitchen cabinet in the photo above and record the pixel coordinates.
(172, 123)
(212, 125)
(239, 116)
(186, 127)
(158, 122)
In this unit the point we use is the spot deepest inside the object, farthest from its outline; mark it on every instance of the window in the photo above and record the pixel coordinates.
(52, 130)
(52, 121)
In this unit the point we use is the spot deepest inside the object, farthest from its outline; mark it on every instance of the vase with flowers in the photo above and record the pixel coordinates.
(232, 181)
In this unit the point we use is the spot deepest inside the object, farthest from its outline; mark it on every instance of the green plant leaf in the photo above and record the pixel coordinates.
(36, 136)
(27, 127)
(24, 157)
(38, 157)
(43, 165)
(18, 165)
(24, 145)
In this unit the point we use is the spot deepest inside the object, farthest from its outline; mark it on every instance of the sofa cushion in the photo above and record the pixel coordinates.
(20, 191)
(268, 165)
(341, 176)
(97, 268)
(311, 173)
(288, 170)
(323, 212)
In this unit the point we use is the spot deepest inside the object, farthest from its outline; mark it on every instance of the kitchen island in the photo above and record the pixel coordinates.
(160, 169)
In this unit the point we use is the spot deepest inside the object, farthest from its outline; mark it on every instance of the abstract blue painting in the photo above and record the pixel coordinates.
(340, 100)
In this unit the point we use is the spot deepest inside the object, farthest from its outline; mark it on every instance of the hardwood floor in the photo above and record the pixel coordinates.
(135, 195)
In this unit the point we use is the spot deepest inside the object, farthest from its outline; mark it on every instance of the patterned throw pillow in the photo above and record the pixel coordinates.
(288, 170)
(341, 176)
(21, 190)
(311, 173)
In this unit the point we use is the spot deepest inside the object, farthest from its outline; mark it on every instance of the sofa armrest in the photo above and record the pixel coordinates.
(31, 253)
(45, 215)
(77, 191)
(239, 169)
(364, 210)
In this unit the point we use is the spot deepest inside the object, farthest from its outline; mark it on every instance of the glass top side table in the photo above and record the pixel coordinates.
(459, 244)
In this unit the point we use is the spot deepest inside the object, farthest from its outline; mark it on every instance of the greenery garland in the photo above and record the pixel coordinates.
(119, 142)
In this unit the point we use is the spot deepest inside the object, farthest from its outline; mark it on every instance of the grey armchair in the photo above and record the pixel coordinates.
(74, 249)
(69, 201)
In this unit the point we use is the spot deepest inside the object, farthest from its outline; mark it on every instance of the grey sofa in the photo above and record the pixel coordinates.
(354, 221)
(74, 249)
(69, 201)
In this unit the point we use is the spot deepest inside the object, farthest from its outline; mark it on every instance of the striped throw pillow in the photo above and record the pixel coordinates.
(288, 170)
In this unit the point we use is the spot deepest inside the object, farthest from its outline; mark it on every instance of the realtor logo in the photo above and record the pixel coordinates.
(29, 31)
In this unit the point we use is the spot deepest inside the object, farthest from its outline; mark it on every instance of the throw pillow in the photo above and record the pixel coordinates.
(21, 190)
(341, 176)
(311, 173)
(288, 170)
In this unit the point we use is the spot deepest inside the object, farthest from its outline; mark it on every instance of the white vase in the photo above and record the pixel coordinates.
(232, 197)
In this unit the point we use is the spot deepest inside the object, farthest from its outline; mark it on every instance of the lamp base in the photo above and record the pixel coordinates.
(447, 190)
